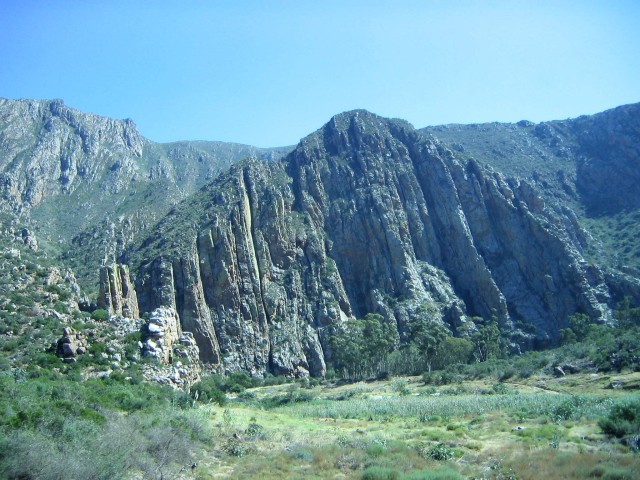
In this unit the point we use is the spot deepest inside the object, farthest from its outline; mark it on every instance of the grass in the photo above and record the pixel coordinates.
(382, 408)
(377, 431)
(367, 430)
(500, 419)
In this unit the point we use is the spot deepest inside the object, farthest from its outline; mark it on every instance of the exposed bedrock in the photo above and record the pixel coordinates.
(365, 215)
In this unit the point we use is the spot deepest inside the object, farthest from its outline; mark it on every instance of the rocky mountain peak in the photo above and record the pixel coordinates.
(350, 131)
(266, 260)
(366, 215)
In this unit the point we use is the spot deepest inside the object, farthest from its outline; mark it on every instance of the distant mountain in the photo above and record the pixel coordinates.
(264, 254)
(588, 167)
(90, 184)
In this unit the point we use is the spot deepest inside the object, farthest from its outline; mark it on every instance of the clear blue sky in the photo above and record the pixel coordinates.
(267, 73)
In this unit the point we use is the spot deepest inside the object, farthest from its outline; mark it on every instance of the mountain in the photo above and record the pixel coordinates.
(90, 184)
(589, 164)
(369, 215)
(266, 254)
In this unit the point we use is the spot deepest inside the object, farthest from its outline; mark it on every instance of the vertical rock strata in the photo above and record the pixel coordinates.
(117, 294)
(365, 215)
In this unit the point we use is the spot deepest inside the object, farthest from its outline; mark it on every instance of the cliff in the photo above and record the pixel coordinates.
(365, 215)
(89, 185)
(264, 254)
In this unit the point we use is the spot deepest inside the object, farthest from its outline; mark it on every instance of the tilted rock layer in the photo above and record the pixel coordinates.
(365, 215)
(117, 294)
(92, 184)
(526, 223)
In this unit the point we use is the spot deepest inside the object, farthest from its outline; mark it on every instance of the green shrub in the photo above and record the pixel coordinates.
(608, 472)
(235, 447)
(254, 430)
(400, 386)
(237, 382)
(623, 422)
(207, 391)
(374, 450)
(302, 454)
(570, 409)
(441, 452)
(100, 315)
(247, 396)
(380, 473)
(500, 389)
(443, 473)
(270, 380)
(293, 395)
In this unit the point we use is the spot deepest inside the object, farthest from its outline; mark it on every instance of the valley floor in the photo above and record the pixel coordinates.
(542, 427)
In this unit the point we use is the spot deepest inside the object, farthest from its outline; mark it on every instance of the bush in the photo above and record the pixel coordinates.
(255, 430)
(439, 474)
(570, 409)
(100, 315)
(623, 422)
(237, 382)
(380, 473)
(208, 391)
(294, 395)
(500, 389)
(235, 447)
(441, 452)
(400, 386)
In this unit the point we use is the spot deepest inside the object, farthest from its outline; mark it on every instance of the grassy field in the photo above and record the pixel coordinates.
(401, 429)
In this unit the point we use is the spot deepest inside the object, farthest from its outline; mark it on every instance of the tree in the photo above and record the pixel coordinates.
(427, 336)
(360, 347)
(452, 350)
(486, 339)
(626, 315)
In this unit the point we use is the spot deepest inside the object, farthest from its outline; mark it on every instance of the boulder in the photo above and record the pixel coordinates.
(71, 344)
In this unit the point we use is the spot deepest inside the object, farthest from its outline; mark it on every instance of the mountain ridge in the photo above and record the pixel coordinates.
(351, 160)
(265, 259)
(55, 158)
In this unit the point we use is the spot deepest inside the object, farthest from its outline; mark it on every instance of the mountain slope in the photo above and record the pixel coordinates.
(266, 254)
(590, 164)
(366, 215)
(90, 183)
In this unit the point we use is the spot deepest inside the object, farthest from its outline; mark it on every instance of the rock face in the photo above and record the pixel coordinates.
(164, 339)
(70, 345)
(160, 333)
(365, 215)
(62, 147)
(608, 173)
(29, 240)
(117, 294)
(587, 171)
(184, 369)
(527, 223)
(91, 183)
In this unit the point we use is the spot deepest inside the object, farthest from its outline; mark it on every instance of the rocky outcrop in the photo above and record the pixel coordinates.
(365, 215)
(184, 369)
(29, 240)
(164, 339)
(117, 294)
(71, 344)
(160, 333)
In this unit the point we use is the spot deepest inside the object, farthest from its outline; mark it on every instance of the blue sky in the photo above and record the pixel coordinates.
(267, 73)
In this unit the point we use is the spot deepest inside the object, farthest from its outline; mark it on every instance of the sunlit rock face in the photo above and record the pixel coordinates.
(365, 215)
(261, 254)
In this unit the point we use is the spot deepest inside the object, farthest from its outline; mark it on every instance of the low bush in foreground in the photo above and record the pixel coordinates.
(623, 421)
